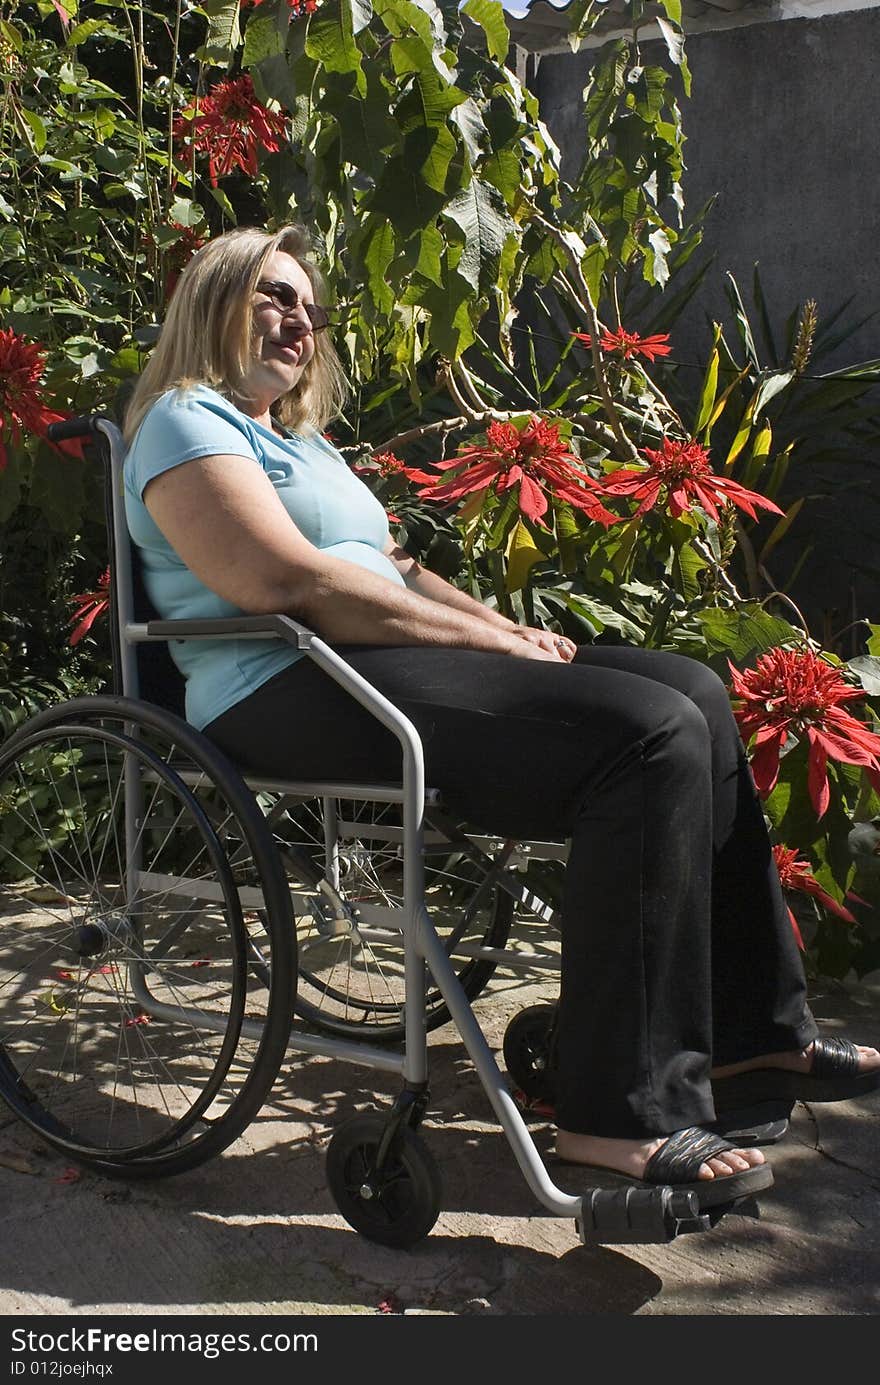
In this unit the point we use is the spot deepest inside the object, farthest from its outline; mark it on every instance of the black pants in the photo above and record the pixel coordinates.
(677, 950)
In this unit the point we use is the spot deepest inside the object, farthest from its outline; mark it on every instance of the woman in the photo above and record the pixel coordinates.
(677, 950)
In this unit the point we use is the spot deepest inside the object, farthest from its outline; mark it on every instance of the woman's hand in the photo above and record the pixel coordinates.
(557, 648)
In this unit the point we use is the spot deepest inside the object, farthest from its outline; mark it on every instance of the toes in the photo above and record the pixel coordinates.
(731, 1161)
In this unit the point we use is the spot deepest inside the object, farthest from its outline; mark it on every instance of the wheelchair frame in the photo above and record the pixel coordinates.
(602, 1216)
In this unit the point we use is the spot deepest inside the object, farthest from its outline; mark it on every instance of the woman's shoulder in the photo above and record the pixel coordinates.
(194, 397)
(191, 411)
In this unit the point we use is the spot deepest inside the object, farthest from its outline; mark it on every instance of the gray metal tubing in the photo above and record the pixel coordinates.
(362, 1054)
(331, 841)
(416, 1033)
(523, 1146)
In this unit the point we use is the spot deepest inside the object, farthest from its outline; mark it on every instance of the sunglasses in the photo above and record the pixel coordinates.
(285, 298)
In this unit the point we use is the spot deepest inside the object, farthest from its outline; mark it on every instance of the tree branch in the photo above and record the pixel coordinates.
(585, 301)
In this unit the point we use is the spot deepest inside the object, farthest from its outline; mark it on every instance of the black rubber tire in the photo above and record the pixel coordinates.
(527, 1049)
(253, 1058)
(406, 1202)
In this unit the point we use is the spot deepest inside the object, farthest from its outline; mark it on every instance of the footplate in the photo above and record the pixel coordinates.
(638, 1216)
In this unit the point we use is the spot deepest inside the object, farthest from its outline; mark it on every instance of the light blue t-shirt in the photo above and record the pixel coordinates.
(328, 504)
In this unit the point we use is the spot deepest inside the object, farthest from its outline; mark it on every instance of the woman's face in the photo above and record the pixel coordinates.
(283, 339)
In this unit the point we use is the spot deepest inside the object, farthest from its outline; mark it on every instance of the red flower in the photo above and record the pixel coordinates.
(22, 364)
(386, 464)
(629, 343)
(683, 469)
(92, 605)
(535, 458)
(230, 125)
(796, 875)
(792, 690)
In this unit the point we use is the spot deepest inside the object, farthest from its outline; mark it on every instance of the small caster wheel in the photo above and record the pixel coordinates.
(396, 1207)
(527, 1051)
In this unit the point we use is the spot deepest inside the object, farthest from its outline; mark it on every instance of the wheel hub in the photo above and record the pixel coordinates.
(97, 937)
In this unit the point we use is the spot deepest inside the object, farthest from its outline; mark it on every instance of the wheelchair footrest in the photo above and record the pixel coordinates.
(638, 1216)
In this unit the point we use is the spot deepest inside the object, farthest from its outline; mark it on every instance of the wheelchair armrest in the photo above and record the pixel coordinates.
(239, 627)
(284, 628)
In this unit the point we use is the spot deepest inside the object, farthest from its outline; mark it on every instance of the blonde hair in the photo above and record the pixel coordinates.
(207, 336)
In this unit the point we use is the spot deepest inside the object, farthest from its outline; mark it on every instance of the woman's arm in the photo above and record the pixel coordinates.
(223, 518)
(428, 584)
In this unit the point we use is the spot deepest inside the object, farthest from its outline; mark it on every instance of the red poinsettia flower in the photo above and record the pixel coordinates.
(387, 464)
(681, 471)
(795, 874)
(793, 691)
(533, 458)
(229, 124)
(628, 344)
(22, 364)
(91, 605)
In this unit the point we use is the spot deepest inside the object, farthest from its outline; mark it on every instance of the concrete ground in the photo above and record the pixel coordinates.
(256, 1232)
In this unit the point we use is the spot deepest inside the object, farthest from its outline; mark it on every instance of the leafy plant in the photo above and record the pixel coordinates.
(529, 441)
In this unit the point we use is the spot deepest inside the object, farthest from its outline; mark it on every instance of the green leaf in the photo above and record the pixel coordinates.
(405, 198)
(707, 394)
(606, 616)
(866, 667)
(771, 386)
(742, 320)
(743, 632)
(522, 554)
(451, 329)
(431, 250)
(489, 14)
(185, 213)
(361, 14)
(378, 250)
(330, 41)
(12, 36)
(82, 32)
(224, 204)
(33, 129)
(366, 133)
(480, 215)
(262, 40)
(224, 34)
(429, 152)
(687, 564)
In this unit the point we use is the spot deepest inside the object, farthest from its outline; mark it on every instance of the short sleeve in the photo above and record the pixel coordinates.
(185, 424)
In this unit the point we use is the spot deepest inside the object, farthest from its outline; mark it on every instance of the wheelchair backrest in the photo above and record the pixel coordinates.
(142, 669)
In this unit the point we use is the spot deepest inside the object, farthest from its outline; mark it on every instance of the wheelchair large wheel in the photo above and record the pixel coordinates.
(396, 1206)
(134, 1033)
(351, 966)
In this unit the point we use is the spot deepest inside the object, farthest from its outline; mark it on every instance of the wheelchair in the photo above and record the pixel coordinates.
(171, 928)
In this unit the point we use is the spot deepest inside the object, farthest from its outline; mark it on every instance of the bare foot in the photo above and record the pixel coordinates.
(631, 1156)
(797, 1060)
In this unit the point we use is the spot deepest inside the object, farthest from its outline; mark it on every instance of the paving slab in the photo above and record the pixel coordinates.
(255, 1231)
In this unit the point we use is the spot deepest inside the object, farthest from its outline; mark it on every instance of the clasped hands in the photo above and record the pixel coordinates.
(544, 644)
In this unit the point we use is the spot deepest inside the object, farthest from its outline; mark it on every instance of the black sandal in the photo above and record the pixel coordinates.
(676, 1164)
(834, 1076)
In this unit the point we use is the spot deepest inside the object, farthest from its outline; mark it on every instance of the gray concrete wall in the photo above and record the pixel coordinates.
(783, 126)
